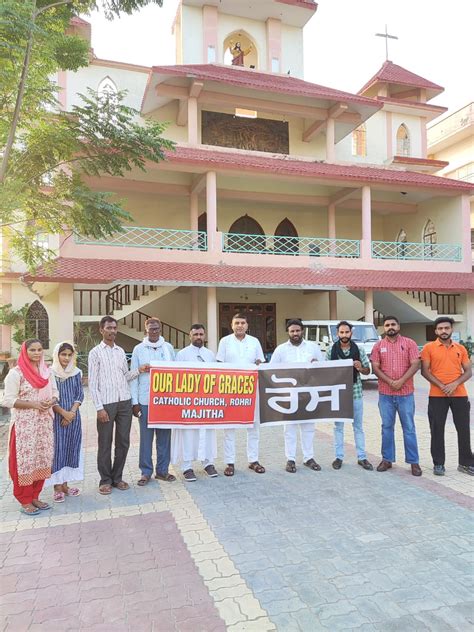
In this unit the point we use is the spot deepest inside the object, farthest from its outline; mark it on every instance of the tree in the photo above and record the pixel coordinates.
(48, 153)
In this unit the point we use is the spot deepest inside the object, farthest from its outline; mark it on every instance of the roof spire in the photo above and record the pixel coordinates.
(387, 37)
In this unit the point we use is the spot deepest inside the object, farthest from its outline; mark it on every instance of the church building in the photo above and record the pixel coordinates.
(282, 198)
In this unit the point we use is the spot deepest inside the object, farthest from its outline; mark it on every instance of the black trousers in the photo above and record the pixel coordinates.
(438, 408)
(120, 417)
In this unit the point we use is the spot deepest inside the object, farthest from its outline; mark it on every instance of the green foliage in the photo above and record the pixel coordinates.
(15, 319)
(468, 344)
(44, 188)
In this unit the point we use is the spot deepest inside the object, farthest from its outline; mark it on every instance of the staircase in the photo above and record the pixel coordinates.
(133, 326)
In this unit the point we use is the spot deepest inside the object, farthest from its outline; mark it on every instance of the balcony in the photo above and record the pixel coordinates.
(293, 246)
(416, 251)
(142, 237)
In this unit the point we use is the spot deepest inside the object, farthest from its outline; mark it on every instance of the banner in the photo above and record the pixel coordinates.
(196, 395)
(299, 393)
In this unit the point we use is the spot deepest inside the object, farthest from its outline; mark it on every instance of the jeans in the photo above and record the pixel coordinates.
(359, 436)
(437, 412)
(163, 446)
(389, 405)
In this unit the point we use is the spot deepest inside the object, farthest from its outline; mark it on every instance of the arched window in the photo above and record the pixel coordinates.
(359, 141)
(107, 87)
(246, 225)
(403, 141)
(286, 238)
(37, 323)
(401, 244)
(240, 50)
(429, 233)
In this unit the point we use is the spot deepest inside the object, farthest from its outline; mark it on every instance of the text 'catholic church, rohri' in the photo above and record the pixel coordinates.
(282, 198)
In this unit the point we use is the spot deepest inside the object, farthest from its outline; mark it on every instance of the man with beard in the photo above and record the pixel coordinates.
(345, 349)
(153, 348)
(191, 444)
(242, 349)
(395, 360)
(446, 365)
(296, 349)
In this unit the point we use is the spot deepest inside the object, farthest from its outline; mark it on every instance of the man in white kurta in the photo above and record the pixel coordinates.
(244, 350)
(297, 349)
(188, 445)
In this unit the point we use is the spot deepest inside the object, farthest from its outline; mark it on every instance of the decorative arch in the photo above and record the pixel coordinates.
(401, 243)
(402, 236)
(107, 87)
(359, 141)
(246, 225)
(403, 141)
(246, 41)
(430, 235)
(37, 323)
(286, 238)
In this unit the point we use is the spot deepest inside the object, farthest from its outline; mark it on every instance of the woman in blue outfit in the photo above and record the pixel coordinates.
(68, 463)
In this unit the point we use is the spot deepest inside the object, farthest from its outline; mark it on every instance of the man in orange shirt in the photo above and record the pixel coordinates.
(446, 365)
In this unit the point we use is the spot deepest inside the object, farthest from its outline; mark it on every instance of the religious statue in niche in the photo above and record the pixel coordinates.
(238, 54)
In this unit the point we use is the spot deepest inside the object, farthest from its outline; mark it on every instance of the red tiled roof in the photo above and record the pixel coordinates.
(392, 73)
(265, 81)
(217, 158)
(108, 271)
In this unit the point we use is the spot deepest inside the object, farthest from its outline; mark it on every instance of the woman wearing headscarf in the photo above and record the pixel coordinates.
(30, 391)
(67, 464)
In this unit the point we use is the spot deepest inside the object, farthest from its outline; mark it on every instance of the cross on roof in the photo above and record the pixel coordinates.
(387, 37)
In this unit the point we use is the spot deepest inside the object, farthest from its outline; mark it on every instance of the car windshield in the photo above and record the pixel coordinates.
(360, 333)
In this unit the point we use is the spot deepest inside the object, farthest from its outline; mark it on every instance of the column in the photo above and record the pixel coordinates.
(211, 204)
(192, 121)
(65, 326)
(210, 17)
(366, 242)
(193, 210)
(332, 251)
(332, 304)
(194, 305)
(6, 330)
(212, 333)
(369, 306)
(330, 140)
(273, 33)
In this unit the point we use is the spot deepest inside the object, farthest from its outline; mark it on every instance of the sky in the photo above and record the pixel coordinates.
(341, 50)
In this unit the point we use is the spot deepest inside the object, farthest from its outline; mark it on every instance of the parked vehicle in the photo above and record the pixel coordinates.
(324, 333)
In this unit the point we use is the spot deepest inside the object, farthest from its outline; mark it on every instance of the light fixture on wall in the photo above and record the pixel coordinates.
(244, 297)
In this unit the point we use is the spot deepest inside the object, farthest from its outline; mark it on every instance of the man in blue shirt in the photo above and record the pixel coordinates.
(153, 348)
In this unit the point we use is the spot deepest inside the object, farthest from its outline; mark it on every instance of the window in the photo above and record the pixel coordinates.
(430, 238)
(403, 141)
(246, 225)
(37, 324)
(286, 238)
(211, 54)
(275, 64)
(401, 244)
(107, 88)
(359, 141)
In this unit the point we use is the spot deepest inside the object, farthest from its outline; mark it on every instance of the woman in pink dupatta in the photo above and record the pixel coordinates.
(30, 391)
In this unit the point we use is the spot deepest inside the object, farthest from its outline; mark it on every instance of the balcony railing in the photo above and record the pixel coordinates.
(281, 245)
(142, 237)
(416, 251)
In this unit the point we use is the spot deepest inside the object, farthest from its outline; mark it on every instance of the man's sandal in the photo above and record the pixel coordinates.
(144, 480)
(311, 463)
(122, 485)
(291, 467)
(105, 489)
(256, 467)
(229, 470)
(169, 478)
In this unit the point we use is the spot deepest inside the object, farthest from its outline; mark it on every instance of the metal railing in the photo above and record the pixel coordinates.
(441, 303)
(177, 337)
(416, 251)
(293, 246)
(142, 237)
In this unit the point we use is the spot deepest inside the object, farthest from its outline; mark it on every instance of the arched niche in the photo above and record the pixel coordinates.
(247, 225)
(286, 238)
(37, 323)
(246, 44)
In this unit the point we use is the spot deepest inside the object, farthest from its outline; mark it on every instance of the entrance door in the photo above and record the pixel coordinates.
(261, 319)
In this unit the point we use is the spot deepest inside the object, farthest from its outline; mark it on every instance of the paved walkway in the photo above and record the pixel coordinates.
(309, 551)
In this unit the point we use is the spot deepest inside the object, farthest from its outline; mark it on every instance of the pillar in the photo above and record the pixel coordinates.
(366, 242)
(194, 305)
(369, 306)
(332, 304)
(192, 121)
(65, 326)
(212, 333)
(193, 211)
(273, 33)
(330, 140)
(6, 330)
(210, 18)
(211, 208)
(332, 221)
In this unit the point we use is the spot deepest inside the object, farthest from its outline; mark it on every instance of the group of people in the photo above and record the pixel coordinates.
(45, 439)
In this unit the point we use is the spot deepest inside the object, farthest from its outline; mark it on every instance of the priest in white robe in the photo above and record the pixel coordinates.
(195, 444)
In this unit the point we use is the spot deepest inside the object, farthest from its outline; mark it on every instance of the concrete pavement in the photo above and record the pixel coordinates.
(309, 551)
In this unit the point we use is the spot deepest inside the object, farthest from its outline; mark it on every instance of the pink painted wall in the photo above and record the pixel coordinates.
(209, 29)
(273, 32)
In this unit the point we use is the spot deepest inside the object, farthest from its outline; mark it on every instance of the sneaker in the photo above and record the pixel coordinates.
(189, 476)
(337, 464)
(211, 471)
(466, 469)
(439, 470)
